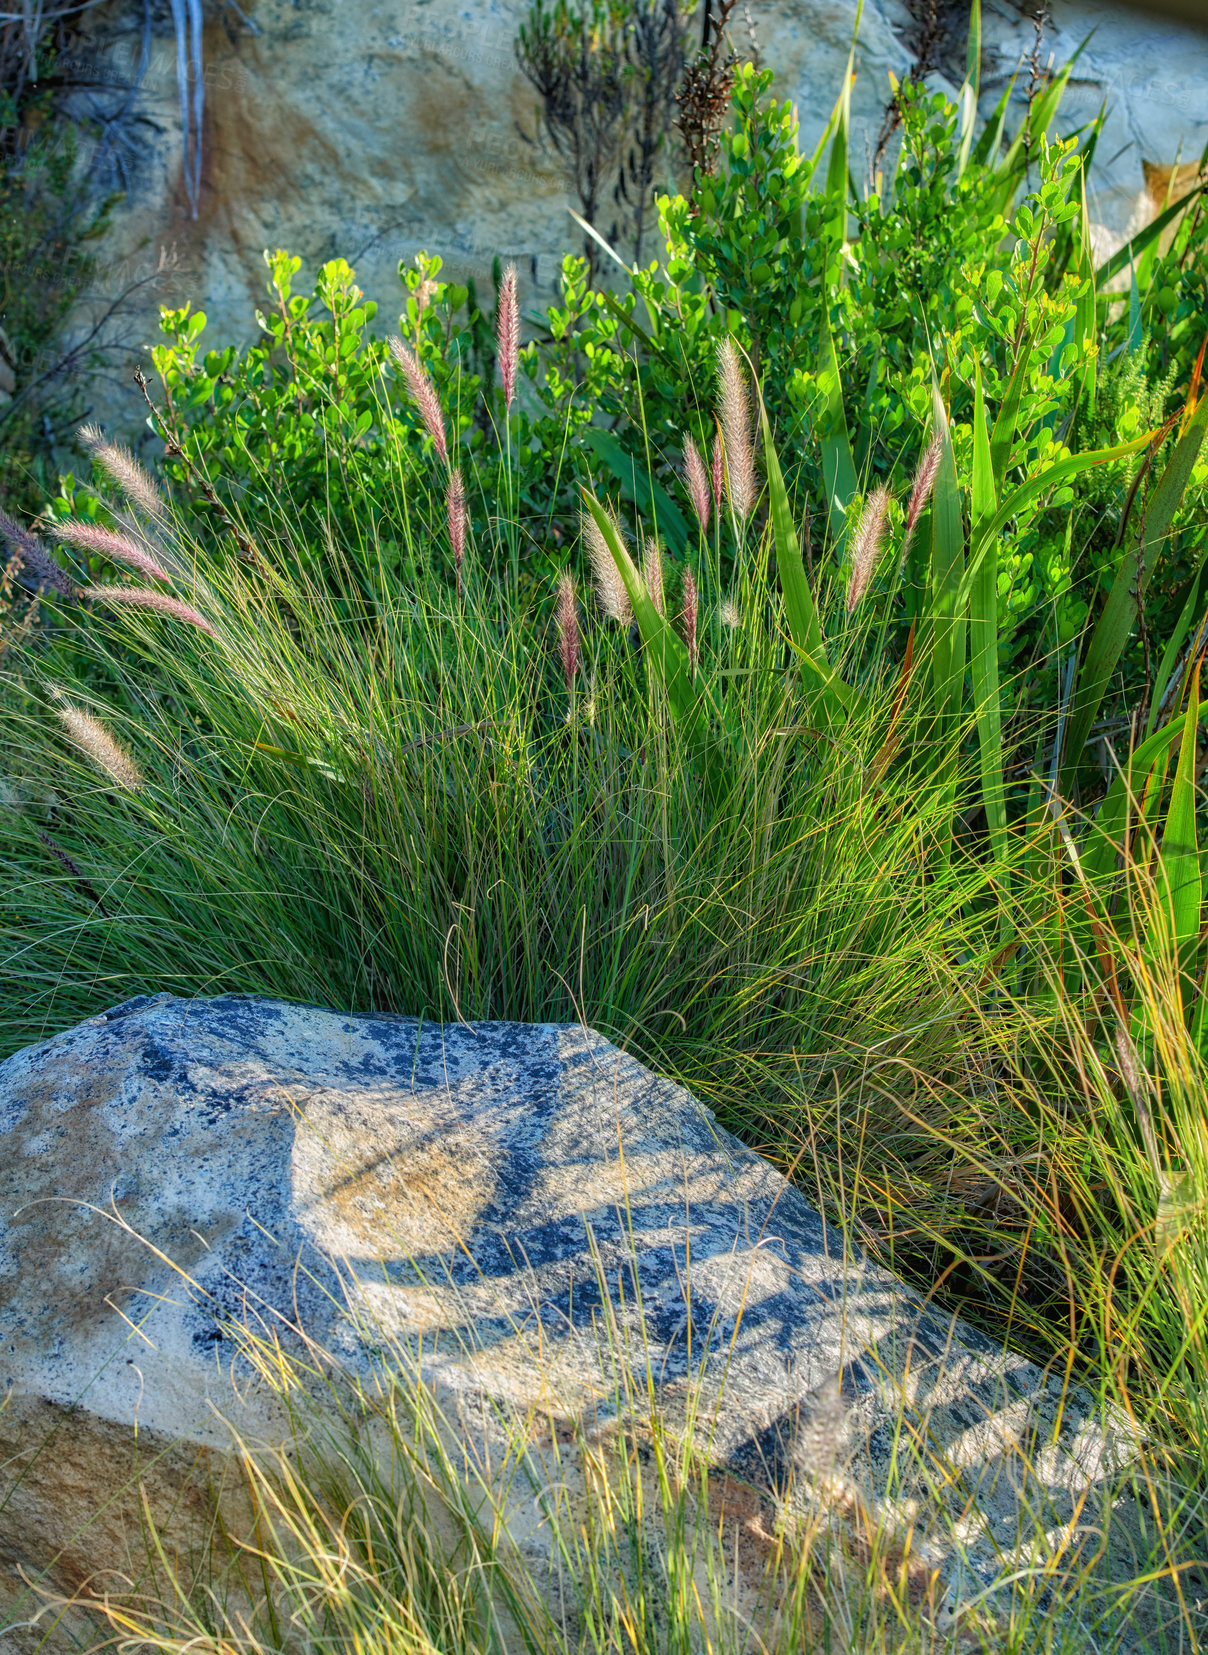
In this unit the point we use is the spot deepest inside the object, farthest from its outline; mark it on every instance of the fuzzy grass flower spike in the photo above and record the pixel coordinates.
(507, 335)
(140, 597)
(90, 737)
(124, 470)
(924, 481)
(569, 649)
(867, 545)
(118, 548)
(423, 394)
(610, 587)
(697, 483)
(734, 414)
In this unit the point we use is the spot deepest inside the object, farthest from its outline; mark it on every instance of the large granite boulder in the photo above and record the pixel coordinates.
(522, 1212)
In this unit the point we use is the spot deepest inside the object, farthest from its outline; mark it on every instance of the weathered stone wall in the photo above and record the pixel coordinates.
(372, 130)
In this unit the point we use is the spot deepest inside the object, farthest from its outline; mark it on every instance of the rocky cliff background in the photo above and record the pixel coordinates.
(374, 130)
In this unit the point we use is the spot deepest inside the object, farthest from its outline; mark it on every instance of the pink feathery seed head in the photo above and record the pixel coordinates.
(568, 629)
(507, 334)
(125, 471)
(866, 547)
(141, 597)
(652, 572)
(924, 481)
(697, 483)
(90, 737)
(610, 587)
(734, 411)
(423, 394)
(691, 608)
(455, 508)
(719, 470)
(119, 548)
(35, 559)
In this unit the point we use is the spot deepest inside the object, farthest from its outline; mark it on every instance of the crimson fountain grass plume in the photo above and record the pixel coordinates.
(423, 394)
(90, 737)
(697, 483)
(924, 481)
(455, 508)
(124, 470)
(507, 334)
(689, 613)
(35, 559)
(119, 548)
(142, 597)
(734, 411)
(866, 547)
(719, 470)
(610, 588)
(652, 572)
(568, 630)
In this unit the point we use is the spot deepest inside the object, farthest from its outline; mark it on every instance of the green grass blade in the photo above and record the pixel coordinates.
(947, 568)
(1002, 439)
(969, 91)
(838, 465)
(985, 151)
(801, 611)
(1086, 313)
(1013, 164)
(983, 635)
(1180, 852)
(1120, 611)
(837, 166)
(1196, 599)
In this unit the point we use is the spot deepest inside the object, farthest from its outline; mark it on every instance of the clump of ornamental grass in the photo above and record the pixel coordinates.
(386, 808)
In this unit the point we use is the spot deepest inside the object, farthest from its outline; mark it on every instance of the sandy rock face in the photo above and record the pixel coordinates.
(373, 131)
(525, 1210)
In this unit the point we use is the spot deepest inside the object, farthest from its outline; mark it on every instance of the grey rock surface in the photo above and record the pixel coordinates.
(522, 1207)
